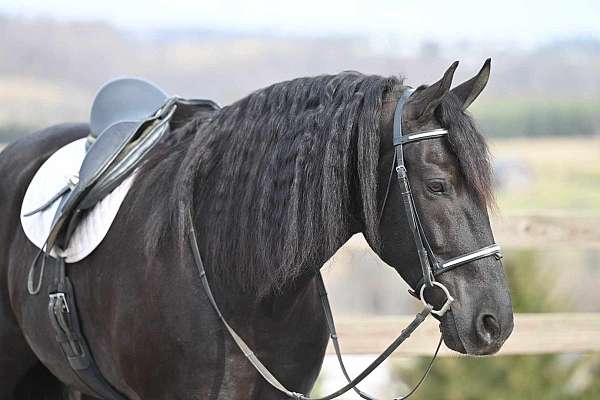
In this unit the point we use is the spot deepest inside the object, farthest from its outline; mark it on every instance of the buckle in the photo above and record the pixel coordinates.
(73, 181)
(401, 171)
(443, 308)
(60, 296)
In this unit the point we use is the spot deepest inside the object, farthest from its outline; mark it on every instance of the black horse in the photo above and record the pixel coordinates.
(276, 183)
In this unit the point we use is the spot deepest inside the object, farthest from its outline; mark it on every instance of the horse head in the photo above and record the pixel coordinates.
(450, 177)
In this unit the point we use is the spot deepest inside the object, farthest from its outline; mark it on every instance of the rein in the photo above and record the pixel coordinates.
(262, 369)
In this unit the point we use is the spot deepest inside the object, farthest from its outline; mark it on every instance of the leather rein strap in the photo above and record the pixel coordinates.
(260, 367)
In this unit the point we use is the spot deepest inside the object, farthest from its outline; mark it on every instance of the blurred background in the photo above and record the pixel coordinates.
(540, 111)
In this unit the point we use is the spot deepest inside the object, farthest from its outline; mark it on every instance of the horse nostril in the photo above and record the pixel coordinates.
(489, 329)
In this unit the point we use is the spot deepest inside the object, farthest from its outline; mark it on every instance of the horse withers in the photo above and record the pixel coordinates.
(275, 183)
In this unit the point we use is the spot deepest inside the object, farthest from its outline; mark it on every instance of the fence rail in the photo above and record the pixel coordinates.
(533, 334)
(543, 229)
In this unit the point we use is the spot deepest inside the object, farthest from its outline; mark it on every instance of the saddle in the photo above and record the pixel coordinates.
(128, 118)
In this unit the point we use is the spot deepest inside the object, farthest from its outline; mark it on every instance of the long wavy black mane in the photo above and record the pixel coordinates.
(282, 174)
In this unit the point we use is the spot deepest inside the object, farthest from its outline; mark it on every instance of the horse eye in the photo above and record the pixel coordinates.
(436, 187)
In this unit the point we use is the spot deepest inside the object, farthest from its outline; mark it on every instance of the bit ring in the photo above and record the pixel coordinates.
(445, 307)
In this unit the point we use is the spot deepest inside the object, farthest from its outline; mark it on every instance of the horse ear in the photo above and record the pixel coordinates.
(429, 98)
(468, 91)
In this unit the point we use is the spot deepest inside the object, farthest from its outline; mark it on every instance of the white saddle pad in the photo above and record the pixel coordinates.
(52, 176)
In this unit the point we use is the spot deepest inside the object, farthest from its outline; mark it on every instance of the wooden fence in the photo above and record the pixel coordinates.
(533, 334)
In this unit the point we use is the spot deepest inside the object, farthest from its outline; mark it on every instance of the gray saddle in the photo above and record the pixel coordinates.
(128, 118)
(123, 101)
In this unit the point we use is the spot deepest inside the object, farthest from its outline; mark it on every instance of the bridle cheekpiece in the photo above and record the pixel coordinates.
(430, 265)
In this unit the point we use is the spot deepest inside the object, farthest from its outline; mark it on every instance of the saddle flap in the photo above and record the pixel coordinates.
(105, 149)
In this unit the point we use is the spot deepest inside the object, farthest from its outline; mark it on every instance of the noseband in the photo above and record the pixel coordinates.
(430, 265)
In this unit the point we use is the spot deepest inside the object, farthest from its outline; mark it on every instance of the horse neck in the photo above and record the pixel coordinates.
(285, 296)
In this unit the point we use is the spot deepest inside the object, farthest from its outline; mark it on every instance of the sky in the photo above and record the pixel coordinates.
(510, 21)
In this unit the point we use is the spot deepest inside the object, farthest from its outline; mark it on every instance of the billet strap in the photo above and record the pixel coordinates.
(32, 287)
(64, 318)
(260, 367)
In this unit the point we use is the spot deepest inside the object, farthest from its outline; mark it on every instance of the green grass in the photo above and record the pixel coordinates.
(537, 117)
(565, 174)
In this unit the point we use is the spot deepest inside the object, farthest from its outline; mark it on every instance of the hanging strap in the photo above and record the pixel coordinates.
(260, 367)
(338, 351)
(333, 333)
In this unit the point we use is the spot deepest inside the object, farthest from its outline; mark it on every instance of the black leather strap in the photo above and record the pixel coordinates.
(64, 318)
(260, 367)
(413, 224)
(430, 265)
(407, 198)
(338, 351)
(333, 333)
(398, 133)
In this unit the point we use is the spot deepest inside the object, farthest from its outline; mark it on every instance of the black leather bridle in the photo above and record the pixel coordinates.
(430, 268)
(430, 265)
